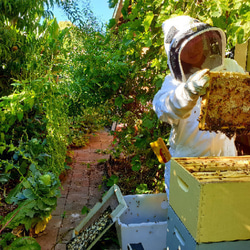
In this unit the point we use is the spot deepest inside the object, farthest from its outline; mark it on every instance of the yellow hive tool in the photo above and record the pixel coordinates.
(161, 150)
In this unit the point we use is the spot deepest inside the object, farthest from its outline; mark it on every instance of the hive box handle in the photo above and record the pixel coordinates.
(182, 184)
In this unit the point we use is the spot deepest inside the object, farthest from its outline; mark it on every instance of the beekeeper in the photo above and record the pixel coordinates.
(192, 49)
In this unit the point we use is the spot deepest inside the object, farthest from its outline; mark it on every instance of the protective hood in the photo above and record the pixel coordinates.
(179, 31)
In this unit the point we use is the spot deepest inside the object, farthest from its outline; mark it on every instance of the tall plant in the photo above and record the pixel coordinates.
(33, 124)
(35, 103)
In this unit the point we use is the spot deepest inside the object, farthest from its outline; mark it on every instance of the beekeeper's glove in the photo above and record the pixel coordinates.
(198, 82)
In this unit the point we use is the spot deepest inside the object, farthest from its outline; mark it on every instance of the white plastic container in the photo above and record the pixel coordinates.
(144, 221)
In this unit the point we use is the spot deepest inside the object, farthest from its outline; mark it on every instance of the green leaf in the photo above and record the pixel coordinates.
(27, 222)
(85, 210)
(26, 184)
(24, 243)
(148, 42)
(148, 20)
(141, 141)
(4, 178)
(124, 10)
(2, 148)
(45, 179)
(155, 63)
(18, 216)
(142, 189)
(30, 102)
(112, 23)
(216, 11)
(41, 205)
(112, 3)
(159, 80)
(50, 201)
(102, 161)
(240, 35)
(119, 101)
(29, 194)
(112, 180)
(147, 123)
(33, 168)
(54, 29)
(136, 163)
(11, 148)
(13, 193)
(30, 213)
(220, 22)
(9, 167)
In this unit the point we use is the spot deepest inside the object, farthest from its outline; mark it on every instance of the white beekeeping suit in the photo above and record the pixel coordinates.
(178, 101)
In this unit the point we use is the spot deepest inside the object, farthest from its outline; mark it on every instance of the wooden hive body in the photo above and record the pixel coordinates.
(211, 197)
(178, 237)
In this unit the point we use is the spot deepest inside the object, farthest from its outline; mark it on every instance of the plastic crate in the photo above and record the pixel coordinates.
(144, 221)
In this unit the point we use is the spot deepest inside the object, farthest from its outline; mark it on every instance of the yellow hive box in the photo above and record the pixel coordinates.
(226, 105)
(211, 196)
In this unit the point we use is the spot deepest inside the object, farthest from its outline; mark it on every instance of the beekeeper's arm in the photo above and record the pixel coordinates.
(175, 100)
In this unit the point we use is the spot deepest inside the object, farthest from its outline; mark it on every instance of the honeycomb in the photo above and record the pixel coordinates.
(225, 106)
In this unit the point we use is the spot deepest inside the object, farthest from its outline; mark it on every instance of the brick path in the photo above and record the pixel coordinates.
(81, 187)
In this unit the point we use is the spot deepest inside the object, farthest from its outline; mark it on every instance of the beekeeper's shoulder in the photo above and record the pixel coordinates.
(232, 66)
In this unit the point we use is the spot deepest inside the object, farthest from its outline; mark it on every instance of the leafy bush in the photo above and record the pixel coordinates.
(23, 243)
(34, 126)
(36, 197)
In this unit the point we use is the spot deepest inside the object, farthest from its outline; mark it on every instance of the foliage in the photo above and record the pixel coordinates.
(112, 180)
(33, 119)
(19, 38)
(29, 118)
(142, 189)
(85, 210)
(24, 243)
(38, 102)
(80, 14)
(83, 124)
(36, 197)
(230, 15)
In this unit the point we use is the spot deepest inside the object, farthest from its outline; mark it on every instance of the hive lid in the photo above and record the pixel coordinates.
(100, 218)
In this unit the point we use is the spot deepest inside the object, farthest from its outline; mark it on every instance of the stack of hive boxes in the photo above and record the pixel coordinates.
(209, 204)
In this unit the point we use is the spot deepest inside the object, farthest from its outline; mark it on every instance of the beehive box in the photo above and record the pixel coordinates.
(178, 237)
(225, 106)
(211, 196)
(100, 218)
(144, 221)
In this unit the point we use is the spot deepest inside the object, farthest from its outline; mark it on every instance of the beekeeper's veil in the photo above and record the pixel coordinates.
(178, 31)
